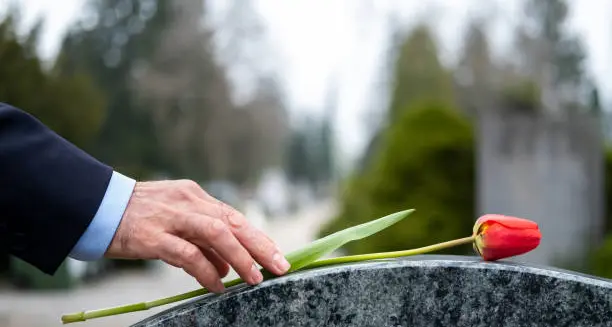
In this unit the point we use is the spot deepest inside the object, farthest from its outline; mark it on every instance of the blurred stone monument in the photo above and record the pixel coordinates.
(547, 167)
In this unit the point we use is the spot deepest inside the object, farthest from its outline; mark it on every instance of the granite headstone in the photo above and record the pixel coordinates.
(413, 291)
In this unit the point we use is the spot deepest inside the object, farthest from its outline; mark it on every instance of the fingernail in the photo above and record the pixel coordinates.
(281, 263)
(256, 275)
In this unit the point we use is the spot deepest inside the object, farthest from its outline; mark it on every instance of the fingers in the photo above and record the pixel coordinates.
(260, 246)
(181, 253)
(211, 223)
(207, 231)
(256, 242)
(221, 265)
(181, 224)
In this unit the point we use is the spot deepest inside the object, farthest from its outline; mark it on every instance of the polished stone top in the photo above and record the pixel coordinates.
(414, 291)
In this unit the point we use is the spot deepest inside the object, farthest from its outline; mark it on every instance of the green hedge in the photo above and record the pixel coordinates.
(426, 162)
(601, 258)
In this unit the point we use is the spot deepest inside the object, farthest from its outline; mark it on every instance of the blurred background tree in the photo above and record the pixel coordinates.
(309, 157)
(70, 104)
(111, 41)
(418, 73)
(171, 107)
(476, 72)
(551, 55)
(186, 91)
(426, 161)
(423, 158)
(600, 260)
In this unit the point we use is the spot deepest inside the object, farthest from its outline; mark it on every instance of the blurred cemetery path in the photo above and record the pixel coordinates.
(44, 309)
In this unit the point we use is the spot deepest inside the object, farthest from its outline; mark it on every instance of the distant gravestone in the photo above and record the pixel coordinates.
(417, 291)
(547, 168)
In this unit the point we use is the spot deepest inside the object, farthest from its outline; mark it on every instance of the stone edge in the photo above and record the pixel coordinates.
(467, 262)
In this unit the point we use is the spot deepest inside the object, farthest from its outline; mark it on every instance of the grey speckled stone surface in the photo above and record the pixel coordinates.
(415, 291)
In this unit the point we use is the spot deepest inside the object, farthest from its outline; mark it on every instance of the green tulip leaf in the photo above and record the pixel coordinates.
(330, 243)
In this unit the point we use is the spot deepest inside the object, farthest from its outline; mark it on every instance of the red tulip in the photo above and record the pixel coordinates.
(498, 237)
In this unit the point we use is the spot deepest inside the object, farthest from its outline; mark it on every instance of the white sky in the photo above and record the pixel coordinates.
(316, 40)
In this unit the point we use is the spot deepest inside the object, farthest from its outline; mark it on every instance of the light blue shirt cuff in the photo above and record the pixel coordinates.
(95, 241)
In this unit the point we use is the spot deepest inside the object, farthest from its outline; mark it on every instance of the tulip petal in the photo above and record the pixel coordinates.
(508, 221)
(500, 236)
(498, 241)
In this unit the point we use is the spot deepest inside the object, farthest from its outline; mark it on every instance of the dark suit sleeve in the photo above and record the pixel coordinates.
(49, 190)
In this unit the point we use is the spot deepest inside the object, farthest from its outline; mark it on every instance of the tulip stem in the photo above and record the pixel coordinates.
(86, 315)
(91, 314)
(389, 255)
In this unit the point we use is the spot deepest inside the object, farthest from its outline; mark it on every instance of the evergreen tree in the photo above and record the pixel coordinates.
(423, 159)
(476, 72)
(171, 105)
(552, 55)
(418, 73)
(426, 162)
(69, 104)
(112, 43)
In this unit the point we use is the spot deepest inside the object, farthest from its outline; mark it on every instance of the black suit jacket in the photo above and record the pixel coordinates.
(49, 190)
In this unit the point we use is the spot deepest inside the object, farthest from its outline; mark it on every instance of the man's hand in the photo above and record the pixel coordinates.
(179, 223)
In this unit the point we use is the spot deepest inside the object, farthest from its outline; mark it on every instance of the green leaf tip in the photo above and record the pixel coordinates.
(328, 244)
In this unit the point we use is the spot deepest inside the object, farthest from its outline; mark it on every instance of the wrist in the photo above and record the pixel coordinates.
(119, 247)
(94, 243)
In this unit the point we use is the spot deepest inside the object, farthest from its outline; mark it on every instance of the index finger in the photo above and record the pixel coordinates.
(259, 245)
(211, 232)
(181, 253)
